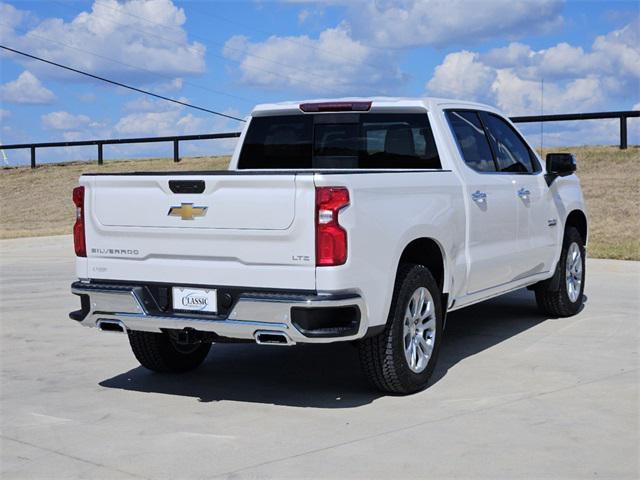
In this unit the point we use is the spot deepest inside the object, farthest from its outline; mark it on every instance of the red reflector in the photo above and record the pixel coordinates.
(336, 107)
(331, 238)
(79, 242)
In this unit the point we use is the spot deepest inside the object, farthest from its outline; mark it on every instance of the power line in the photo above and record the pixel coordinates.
(168, 77)
(120, 84)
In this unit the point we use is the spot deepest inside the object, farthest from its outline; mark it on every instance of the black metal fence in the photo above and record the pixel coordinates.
(118, 141)
(562, 117)
(622, 115)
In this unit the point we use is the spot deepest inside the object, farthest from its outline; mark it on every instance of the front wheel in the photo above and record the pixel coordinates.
(402, 358)
(160, 353)
(567, 298)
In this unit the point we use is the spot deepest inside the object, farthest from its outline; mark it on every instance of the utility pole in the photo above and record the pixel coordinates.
(4, 158)
(541, 113)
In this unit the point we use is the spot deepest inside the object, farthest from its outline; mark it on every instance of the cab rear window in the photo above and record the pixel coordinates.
(344, 140)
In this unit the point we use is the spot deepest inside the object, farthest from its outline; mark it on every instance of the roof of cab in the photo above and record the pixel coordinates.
(377, 102)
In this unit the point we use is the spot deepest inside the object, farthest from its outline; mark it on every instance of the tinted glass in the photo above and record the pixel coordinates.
(364, 141)
(397, 141)
(512, 153)
(473, 143)
(277, 142)
(336, 140)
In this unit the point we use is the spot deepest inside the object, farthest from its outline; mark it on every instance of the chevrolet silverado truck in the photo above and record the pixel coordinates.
(356, 220)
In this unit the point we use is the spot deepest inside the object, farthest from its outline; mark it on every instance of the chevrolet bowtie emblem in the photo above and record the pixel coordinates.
(187, 211)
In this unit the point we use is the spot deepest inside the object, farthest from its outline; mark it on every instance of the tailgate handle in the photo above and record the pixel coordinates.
(186, 186)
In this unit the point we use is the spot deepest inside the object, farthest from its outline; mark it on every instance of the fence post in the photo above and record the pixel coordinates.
(176, 151)
(100, 154)
(623, 132)
(33, 157)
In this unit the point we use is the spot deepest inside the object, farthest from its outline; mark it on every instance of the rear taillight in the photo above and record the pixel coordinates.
(331, 238)
(78, 228)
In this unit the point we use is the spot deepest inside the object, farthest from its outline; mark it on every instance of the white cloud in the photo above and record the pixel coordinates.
(462, 74)
(161, 123)
(410, 23)
(11, 18)
(4, 114)
(303, 15)
(333, 63)
(513, 54)
(114, 30)
(574, 80)
(616, 54)
(175, 122)
(171, 85)
(145, 104)
(26, 89)
(153, 118)
(148, 117)
(64, 121)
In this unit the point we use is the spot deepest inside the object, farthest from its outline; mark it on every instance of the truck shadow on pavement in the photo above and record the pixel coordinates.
(327, 376)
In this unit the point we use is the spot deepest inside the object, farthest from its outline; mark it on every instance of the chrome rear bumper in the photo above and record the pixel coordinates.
(250, 314)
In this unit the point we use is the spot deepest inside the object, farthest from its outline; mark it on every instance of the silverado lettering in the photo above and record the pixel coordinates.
(114, 251)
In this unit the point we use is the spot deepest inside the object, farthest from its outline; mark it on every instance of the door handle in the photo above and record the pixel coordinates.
(524, 193)
(478, 196)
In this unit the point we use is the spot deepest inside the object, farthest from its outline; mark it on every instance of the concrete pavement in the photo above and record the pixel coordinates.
(515, 395)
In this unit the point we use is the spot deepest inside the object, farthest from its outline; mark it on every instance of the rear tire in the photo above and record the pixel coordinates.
(158, 352)
(567, 298)
(402, 358)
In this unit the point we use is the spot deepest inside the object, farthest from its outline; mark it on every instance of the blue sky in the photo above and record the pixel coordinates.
(228, 56)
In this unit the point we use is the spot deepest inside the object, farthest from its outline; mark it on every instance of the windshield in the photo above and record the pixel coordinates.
(342, 140)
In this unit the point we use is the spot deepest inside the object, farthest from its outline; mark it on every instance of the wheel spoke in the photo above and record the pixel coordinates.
(424, 346)
(419, 329)
(427, 310)
(576, 261)
(427, 325)
(414, 353)
(420, 303)
(417, 354)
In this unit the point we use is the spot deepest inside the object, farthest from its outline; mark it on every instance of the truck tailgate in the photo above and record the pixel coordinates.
(241, 230)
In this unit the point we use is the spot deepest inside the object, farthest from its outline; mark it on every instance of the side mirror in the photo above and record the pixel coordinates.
(560, 165)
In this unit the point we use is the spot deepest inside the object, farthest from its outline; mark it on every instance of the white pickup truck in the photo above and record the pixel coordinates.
(346, 220)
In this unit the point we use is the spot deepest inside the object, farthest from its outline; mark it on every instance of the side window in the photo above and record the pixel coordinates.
(472, 140)
(512, 154)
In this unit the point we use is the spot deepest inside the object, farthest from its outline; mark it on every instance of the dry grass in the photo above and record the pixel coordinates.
(38, 202)
(610, 180)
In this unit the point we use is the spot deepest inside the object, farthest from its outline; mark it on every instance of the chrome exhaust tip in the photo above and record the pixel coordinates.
(115, 326)
(272, 337)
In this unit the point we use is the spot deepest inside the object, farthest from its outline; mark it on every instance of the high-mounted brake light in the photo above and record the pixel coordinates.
(336, 107)
(79, 242)
(331, 238)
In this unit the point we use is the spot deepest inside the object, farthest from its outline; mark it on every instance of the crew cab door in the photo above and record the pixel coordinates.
(536, 224)
(492, 247)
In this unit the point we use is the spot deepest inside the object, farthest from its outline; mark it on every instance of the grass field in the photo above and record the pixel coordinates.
(38, 202)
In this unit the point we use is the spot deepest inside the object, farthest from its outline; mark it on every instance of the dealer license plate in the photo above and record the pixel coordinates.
(195, 299)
